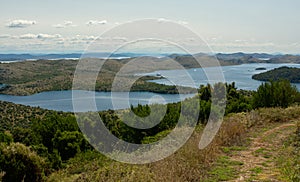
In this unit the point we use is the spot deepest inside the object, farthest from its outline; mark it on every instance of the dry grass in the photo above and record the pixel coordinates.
(188, 163)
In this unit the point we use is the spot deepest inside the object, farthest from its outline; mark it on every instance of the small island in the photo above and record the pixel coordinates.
(261, 68)
(282, 73)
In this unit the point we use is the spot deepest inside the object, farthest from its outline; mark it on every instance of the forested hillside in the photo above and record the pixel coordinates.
(38, 144)
(282, 73)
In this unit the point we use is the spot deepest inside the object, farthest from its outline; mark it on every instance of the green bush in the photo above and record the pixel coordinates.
(5, 137)
(21, 164)
(275, 94)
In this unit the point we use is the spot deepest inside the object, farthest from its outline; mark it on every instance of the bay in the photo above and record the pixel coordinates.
(63, 100)
(240, 74)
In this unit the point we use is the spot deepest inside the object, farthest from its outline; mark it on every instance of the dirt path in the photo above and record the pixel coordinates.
(258, 158)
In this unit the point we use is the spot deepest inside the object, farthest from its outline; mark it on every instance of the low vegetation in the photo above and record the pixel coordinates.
(290, 74)
(52, 146)
(30, 77)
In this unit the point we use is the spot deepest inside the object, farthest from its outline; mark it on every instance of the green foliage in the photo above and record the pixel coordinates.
(6, 137)
(275, 94)
(277, 74)
(68, 143)
(46, 129)
(133, 135)
(235, 100)
(21, 164)
(225, 169)
(289, 158)
(155, 138)
(141, 111)
(55, 136)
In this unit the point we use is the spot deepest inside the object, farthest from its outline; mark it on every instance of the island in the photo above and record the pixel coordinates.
(261, 68)
(282, 73)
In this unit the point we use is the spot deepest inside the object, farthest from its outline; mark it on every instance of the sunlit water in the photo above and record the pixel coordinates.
(62, 100)
(240, 74)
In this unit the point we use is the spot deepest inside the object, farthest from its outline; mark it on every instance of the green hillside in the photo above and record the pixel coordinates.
(282, 73)
(42, 145)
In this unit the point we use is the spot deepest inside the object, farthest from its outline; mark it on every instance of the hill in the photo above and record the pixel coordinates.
(286, 73)
(29, 77)
(251, 145)
(248, 147)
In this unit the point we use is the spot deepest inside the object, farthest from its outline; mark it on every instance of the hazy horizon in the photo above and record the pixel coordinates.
(227, 26)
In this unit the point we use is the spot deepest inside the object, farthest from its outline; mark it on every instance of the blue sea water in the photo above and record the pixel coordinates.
(62, 100)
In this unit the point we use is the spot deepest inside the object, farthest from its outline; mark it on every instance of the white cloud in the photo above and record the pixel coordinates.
(89, 38)
(20, 23)
(48, 36)
(163, 20)
(96, 22)
(60, 42)
(3, 36)
(80, 38)
(183, 22)
(68, 23)
(59, 26)
(124, 39)
(65, 24)
(40, 36)
(28, 36)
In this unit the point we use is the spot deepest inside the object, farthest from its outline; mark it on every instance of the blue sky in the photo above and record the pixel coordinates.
(226, 25)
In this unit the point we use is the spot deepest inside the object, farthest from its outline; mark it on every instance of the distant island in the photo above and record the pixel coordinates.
(290, 74)
(28, 74)
(261, 68)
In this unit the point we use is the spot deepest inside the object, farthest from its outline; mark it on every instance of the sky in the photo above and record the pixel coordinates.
(66, 26)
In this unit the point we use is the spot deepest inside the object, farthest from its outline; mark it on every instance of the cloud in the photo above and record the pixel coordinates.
(83, 38)
(48, 36)
(40, 36)
(163, 20)
(60, 42)
(89, 38)
(96, 22)
(124, 39)
(59, 26)
(182, 22)
(65, 24)
(28, 36)
(68, 23)
(3, 36)
(20, 23)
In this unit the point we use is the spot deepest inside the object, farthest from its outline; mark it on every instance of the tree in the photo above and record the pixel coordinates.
(6, 137)
(275, 94)
(20, 163)
(68, 143)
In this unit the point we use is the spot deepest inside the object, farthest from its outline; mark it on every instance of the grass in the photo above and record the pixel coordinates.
(191, 164)
(188, 163)
(263, 152)
(256, 170)
(229, 150)
(289, 157)
(224, 169)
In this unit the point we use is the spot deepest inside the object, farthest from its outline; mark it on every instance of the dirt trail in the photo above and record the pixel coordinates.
(258, 158)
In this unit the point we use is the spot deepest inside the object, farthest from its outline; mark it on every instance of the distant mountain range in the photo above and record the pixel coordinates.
(19, 57)
(241, 55)
(234, 58)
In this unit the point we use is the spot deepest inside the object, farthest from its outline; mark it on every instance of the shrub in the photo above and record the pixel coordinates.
(275, 94)
(21, 164)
